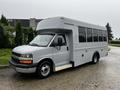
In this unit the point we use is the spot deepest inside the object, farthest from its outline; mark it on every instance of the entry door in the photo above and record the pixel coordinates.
(61, 53)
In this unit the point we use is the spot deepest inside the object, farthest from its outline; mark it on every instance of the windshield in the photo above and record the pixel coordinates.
(41, 40)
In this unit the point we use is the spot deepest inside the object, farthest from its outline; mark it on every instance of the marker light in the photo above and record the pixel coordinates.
(26, 61)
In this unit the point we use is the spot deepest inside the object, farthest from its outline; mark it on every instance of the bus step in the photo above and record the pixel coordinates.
(58, 68)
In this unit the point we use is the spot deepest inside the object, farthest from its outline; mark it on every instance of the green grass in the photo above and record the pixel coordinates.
(116, 45)
(5, 55)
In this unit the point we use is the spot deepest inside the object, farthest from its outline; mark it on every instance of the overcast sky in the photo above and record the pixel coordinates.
(92, 11)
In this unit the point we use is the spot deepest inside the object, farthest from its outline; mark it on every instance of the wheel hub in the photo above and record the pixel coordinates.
(45, 70)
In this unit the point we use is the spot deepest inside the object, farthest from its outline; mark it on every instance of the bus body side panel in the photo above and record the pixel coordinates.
(75, 49)
(103, 49)
(91, 48)
(78, 49)
(70, 39)
(83, 52)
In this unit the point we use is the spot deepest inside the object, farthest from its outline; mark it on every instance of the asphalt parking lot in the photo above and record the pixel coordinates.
(102, 76)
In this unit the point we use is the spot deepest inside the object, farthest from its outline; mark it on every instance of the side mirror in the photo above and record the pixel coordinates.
(60, 42)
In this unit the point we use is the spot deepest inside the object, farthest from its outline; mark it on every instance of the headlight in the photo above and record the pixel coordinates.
(26, 56)
(26, 59)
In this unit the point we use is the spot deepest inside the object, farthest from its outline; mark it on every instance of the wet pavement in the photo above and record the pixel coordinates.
(102, 76)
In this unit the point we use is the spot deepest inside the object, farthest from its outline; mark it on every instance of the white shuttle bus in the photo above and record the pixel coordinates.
(61, 43)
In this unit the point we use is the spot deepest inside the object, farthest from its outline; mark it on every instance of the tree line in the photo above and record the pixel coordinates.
(11, 36)
(109, 33)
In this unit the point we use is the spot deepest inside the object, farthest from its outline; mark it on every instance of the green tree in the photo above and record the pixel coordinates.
(8, 36)
(3, 25)
(19, 35)
(3, 20)
(1, 37)
(25, 35)
(110, 35)
(9, 33)
(116, 38)
(30, 34)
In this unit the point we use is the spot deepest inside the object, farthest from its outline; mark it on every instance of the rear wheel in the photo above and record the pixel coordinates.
(44, 69)
(95, 59)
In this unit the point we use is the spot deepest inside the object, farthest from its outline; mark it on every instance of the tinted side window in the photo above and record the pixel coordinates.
(95, 35)
(89, 35)
(82, 34)
(63, 38)
(100, 35)
(56, 40)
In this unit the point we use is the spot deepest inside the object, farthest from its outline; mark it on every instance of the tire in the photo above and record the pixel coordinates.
(95, 59)
(44, 69)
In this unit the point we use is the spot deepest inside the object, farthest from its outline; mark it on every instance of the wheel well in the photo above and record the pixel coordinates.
(97, 53)
(49, 60)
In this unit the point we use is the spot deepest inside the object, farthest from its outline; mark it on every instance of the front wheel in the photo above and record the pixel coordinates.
(44, 69)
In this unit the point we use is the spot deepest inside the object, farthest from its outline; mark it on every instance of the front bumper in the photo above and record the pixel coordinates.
(23, 68)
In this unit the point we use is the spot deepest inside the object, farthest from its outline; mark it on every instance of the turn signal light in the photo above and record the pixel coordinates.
(25, 61)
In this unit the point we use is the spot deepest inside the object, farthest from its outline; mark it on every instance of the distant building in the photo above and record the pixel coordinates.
(32, 22)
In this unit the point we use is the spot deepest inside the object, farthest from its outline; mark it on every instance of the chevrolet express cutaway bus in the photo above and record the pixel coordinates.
(60, 43)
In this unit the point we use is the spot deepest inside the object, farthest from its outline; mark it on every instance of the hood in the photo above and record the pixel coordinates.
(25, 49)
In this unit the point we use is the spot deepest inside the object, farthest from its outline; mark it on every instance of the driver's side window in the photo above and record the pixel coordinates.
(56, 40)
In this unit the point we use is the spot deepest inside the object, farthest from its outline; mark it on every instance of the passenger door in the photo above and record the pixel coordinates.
(60, 53)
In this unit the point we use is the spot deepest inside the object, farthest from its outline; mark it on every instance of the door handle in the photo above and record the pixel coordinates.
(82, 55)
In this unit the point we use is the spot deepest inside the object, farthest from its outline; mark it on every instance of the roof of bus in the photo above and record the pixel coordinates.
(63, 22)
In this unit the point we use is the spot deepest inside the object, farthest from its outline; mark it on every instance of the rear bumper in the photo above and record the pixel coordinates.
(23, 68)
